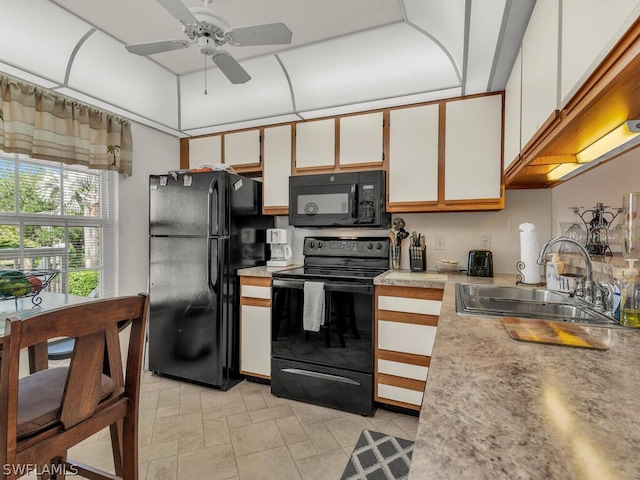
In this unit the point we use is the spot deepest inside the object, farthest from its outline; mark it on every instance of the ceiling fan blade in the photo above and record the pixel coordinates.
(157, 47)
(179, 11)
(267, 34)
(230, 67)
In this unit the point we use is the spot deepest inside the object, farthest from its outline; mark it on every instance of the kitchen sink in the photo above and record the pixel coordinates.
(495, 300)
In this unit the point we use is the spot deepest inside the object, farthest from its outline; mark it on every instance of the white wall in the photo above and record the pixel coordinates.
(153, 152)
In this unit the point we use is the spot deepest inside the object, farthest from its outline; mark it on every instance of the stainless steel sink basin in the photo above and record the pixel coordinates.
(494, 300)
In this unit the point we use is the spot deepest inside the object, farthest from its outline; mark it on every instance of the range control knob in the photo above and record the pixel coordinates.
(369, 245)
(379, 246)
(311, 244)
(319, 244)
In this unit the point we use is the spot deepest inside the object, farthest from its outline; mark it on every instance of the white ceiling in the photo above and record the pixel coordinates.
(346, 55)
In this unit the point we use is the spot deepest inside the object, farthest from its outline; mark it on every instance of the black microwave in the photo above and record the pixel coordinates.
(353, 199)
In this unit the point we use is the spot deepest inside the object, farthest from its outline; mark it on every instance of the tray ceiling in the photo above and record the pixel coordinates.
(345, 56)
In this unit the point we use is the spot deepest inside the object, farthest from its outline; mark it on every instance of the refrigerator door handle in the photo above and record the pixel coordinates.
(213, 193)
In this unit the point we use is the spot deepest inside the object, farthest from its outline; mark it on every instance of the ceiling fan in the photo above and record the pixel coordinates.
(208, 30)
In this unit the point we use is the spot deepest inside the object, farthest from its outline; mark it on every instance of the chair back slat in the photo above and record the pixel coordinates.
(113, 357)
(82, 391)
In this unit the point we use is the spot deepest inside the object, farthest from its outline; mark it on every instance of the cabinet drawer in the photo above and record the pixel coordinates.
(255, 344)
(255, 291)
(409, 305)
(398, 369)
(406, 337)
(399, 394)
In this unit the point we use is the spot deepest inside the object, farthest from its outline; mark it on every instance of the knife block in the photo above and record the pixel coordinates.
(418, 259)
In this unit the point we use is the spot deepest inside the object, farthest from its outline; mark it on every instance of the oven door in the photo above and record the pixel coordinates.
(344, 341)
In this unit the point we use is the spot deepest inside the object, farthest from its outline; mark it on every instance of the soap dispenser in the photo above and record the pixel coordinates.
(629, 297)
(553, 268)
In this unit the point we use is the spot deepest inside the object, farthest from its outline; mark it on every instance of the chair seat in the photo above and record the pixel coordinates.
(40, 396)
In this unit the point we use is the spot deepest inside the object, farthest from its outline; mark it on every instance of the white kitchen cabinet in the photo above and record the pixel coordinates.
(255, 326)
(361, 139)
(315, 144)
(473, 148)
(406, 326)
(540, 49)
(413, 154)
(276, 169)
(205, 150)
(589, 30)
(512, 99)
(242, 148)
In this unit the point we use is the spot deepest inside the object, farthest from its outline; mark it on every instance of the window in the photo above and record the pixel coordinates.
(61, 217)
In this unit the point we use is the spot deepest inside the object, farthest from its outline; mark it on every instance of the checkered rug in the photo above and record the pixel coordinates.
(377, 456)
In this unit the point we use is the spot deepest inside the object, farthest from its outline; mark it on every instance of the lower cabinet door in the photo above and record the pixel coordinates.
(255, 347)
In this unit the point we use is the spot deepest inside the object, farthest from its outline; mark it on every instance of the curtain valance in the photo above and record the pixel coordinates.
(45, 125)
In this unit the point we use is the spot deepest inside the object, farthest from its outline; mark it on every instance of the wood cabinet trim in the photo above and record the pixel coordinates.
(408, 383)
(401, 357)
(396, 403)
(258, 281)
(275, 210)
(255, 302)
(442, 131)
(404, 317)
(253, 374)
(184, 153)
(409, 292)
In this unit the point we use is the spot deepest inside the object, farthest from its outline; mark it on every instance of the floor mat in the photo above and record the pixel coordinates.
(377, 456)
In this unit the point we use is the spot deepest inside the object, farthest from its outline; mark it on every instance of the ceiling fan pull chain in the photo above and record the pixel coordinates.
(205, 75)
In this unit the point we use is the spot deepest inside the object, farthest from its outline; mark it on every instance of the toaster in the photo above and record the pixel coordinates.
(480, 263)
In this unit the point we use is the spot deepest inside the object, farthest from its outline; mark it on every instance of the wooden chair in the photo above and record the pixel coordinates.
(44, 414)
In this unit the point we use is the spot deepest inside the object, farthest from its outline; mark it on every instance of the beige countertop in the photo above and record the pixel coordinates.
(496, 408)
(263, 271)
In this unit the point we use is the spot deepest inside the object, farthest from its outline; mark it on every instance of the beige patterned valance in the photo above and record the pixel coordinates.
(45, 125)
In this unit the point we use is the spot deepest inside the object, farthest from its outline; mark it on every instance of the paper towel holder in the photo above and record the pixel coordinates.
(520, 276)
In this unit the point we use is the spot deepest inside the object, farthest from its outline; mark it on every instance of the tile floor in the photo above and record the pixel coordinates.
(189, 432)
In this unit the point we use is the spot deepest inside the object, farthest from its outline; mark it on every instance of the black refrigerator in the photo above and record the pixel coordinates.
(203, 227)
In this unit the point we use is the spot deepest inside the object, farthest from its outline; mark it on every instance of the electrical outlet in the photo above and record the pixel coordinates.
(485, 241)
(439, 242)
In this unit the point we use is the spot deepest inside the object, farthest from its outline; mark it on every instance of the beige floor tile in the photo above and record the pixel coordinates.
(190, 444)
(163, 469)
(239, 420)
(291, 430)
(274, 464)
(143, 468)
(247, 387)
(169, 397)
(308, 414)
(163, 384)
(177, 427)
(254, 401)
(190, 402)
(346, 430)
(270, 413)
(224, 411)
(216, 432)
(302, 450)
(217, 398)
(408, 424)
(273, 401)
(321, 438)
(256, 438)
(169, 411)
(329, 465)
(149, 400)
(391, 428)
(215, 463)
(383, 415)
(97, 454)
(157, 450)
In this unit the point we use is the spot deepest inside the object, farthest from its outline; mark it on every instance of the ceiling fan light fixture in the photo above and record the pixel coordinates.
(206, 45)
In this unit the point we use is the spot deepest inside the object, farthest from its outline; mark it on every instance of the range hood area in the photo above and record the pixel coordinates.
(414, 51)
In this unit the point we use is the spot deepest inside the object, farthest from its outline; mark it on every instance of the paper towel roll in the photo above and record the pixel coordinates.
(529, 250)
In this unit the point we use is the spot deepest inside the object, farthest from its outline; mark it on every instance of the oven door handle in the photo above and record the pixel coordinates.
(328, 286)
(322, 376)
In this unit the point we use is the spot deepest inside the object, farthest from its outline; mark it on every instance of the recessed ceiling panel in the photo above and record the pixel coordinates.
(38, 37)
(267, 94)
(484, 31)
(259, 122)
(443, 20)
(142, 21)
(390, 61)
(105, 70)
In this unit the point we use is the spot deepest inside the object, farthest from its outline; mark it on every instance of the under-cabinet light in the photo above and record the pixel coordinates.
(562, 170)
(614, 139)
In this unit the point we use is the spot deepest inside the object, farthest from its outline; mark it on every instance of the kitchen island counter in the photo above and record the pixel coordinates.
(498, 408)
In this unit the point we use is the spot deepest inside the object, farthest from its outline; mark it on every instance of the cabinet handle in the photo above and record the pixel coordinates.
(323, 376)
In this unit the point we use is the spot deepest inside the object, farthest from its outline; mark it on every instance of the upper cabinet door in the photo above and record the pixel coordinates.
(316, 144)
(413, 154)
(205, 150)
(242, 148)
(473, 149)
(589, 30)
(540, 68)
(512, 100)
(276, 169)
(361, 139)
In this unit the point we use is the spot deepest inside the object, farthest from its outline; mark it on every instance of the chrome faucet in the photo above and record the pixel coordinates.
(587, 292)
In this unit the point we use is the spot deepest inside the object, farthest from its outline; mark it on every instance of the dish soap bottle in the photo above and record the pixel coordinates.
(629, 297)
(553, 268)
